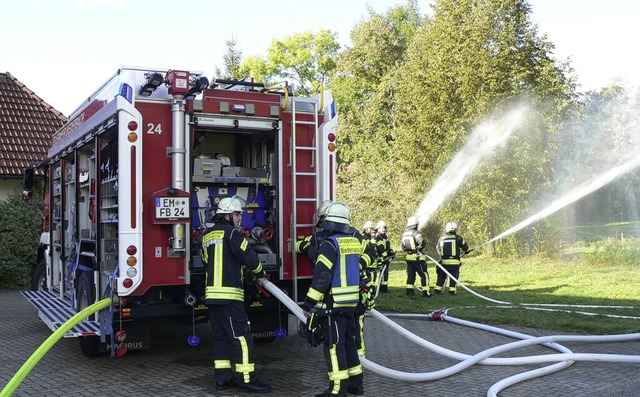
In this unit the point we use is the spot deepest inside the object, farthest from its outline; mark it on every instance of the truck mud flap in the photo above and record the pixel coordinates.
(55, 311)
(266, 318)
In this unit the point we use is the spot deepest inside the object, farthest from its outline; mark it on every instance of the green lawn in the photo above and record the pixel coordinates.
(531, 281)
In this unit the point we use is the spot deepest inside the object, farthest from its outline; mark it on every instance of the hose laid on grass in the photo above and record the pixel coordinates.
(48, 344)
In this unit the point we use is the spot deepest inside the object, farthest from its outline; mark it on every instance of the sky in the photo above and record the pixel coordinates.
(63, 50)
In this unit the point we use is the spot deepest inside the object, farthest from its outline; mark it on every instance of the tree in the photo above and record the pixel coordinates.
(472, 58)
(232, 60)
(307, 59)
(363, 87)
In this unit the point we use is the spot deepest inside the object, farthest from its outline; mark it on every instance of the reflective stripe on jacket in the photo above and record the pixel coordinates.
(336, 275)
(450, 248)
(225, 251)
(412, 244)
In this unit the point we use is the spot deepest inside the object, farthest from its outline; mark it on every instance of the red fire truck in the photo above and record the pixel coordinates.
(133, 178)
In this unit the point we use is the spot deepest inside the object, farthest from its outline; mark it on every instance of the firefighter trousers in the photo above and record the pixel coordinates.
(230, 328)
(417, 267)
(454, 270)
(340, 352)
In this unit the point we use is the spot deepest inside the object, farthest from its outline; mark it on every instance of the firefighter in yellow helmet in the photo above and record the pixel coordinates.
(450, 247)
(413, 245)
(385, 255)
(226, 251)
(332, 299)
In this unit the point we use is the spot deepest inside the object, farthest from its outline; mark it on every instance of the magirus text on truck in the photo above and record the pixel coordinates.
(133, 178)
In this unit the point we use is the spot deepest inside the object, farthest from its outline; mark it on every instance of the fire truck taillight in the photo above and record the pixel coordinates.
(132, 136)
(127, 282)
(132, 261)
(132, 250)
(132, 272)
(332, 139)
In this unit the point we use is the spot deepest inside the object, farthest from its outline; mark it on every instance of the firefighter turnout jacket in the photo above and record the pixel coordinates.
(450, 247)
(383, 249)
(413, 244)
(336, 274)
(226, 248)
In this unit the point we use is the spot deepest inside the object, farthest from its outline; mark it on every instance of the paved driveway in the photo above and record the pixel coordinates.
(171, 368)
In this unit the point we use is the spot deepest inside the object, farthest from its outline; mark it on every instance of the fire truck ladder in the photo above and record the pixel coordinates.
(306, 105)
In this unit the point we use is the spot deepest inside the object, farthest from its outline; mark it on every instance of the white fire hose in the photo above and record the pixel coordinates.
(566, 356)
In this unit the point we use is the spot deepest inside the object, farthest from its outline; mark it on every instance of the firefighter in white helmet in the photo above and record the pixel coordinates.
(369, 236)
(385, 255)
(226, 251)
(450, 247)
(335, 286)
(413, 245)
(309, 244)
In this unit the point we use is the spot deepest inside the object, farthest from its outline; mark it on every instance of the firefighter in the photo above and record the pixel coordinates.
(450, 247)
(310, 244)
(226, 251)
(367, 234)
(331, 301)
(385, 255)
(413, 245)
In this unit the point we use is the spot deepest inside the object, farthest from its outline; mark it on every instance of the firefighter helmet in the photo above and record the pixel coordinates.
(451, 227)
(337, 218)
(229, 205)
(381, 224)
(412, 222)
(367, 225)
(320, 213)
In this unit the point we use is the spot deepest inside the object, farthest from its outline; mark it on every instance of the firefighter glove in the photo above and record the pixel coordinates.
(314, 334)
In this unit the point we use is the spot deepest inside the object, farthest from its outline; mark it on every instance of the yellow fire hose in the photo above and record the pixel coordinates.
(48, 344)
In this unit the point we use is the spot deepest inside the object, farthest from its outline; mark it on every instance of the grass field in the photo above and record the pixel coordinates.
(612, 286)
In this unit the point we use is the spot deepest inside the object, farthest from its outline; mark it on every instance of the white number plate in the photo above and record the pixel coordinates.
(172, 207)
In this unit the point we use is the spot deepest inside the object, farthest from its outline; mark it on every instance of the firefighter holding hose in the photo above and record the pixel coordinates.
(413, 245)
(385, 255)
(332, 299)
(450, 247)
(226, 251)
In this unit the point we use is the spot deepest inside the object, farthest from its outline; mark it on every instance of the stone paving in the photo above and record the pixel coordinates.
(291, 367)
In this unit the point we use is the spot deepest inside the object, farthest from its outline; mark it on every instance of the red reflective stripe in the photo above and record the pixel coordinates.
(134, 199)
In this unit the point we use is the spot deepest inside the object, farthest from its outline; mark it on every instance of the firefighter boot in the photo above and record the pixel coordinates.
(224, 385)
(255, 386)
(410, 291)
(357, 390)
(425, 293)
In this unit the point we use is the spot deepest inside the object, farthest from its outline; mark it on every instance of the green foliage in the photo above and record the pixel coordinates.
(19, 238)
(613, 251)
(306, 59)
(232, 60)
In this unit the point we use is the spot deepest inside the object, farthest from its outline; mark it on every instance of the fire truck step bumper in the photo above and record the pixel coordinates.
(55, 311)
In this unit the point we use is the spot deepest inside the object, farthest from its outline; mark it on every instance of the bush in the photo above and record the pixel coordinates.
(612, 250)
(20, 223)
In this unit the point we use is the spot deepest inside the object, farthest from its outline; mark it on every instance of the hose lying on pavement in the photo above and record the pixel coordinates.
(48, 344)
(566, 356)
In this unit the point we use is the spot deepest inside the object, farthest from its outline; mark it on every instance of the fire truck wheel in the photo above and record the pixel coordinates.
(85, 296)
(39, 279)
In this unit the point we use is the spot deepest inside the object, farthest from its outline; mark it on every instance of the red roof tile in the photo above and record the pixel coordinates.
(26, 125)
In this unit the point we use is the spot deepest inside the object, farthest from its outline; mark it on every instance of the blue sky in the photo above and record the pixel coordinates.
(64, 49)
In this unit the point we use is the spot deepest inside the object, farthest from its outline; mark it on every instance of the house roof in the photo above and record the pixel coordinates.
(26, 125)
